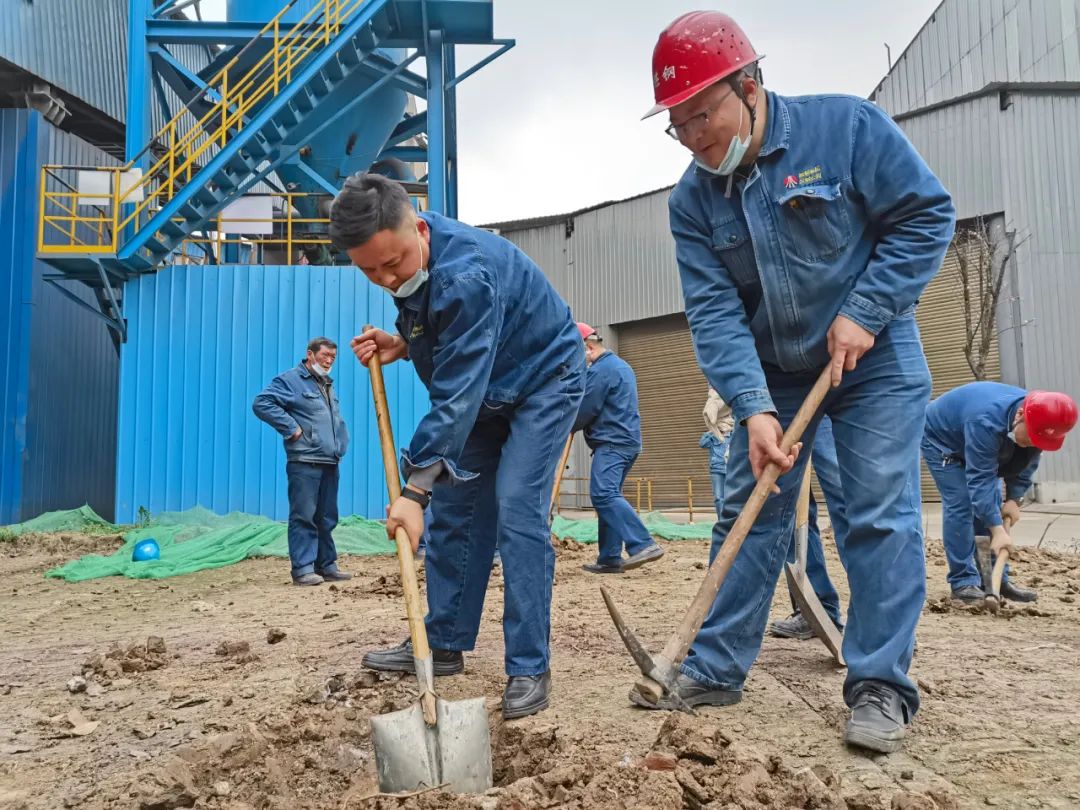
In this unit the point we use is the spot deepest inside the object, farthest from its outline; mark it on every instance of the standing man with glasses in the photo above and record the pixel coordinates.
(302, 406)
(806, 228)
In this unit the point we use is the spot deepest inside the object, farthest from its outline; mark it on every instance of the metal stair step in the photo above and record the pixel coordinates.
(320, 85)
(287, 117)
(174, 229)
(334, 70)
(155, 245)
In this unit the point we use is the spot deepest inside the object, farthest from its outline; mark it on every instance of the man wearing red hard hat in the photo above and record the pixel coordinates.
(608, 416)
(806, 228)
(976, 436)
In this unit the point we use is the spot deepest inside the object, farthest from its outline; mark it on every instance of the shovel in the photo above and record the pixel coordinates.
(434, 742)
(801, 590)
(659, 672)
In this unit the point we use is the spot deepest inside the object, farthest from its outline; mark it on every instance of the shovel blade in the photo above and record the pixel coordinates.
(814, 612)
(455, 753)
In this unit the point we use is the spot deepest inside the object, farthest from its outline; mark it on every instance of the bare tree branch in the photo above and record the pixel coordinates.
(982, 260)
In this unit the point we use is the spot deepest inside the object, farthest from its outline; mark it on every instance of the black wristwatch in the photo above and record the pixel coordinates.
(422, 498)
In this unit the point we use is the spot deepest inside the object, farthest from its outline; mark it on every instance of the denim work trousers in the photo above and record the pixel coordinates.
(313, 514)
(877, 414)
(514, 450)
(619, 524)
(958, 523)
(828, 473)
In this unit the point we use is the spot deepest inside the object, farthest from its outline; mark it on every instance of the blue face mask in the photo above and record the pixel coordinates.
(735, 153)
(419, 278)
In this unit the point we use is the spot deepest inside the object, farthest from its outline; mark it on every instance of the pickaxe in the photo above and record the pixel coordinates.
(659, 672)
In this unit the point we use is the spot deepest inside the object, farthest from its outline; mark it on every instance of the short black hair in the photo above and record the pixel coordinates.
(367, 203)
(320, 342)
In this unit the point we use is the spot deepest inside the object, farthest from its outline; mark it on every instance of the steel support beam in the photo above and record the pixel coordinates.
(436, 99)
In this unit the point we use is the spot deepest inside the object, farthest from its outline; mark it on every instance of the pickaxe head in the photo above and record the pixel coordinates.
(658, 671)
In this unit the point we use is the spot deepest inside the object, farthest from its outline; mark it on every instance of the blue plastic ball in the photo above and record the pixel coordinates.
(146, 550)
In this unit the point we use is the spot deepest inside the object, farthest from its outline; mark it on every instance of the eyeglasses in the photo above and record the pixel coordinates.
(695, 123)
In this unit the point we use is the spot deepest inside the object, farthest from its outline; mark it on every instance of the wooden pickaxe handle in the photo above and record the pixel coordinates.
(999, 566)
(685, 633)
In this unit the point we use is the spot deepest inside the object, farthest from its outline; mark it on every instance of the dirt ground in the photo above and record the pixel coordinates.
(233, 689)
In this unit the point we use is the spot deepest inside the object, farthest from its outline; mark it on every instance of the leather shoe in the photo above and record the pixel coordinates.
(307, 579)
(334, 575)
(1014, 593)
(878, 717)
(969, 595)
(692, 693)
(603, 568)
(525, 695)
(648, 555)
(400, 659)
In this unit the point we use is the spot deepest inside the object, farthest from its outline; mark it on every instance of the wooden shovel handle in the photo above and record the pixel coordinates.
(559, 474)
(413, 608)
(688, 628)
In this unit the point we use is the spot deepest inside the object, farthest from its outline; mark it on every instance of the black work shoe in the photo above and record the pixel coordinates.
(525, 695)
(648, 555)
(307, 579)
(878, 717)
(1014, 593)
(794, 626)
(335, 575)
(400, 659)
(603, 568)
(693, 693)
(969, 595)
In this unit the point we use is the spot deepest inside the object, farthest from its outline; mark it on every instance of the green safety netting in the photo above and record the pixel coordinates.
(198, 539)
(84, 520)
(585, 531)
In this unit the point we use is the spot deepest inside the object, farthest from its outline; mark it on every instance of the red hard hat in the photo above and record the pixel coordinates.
(1049, 416)
(694, 52)
(585, 330)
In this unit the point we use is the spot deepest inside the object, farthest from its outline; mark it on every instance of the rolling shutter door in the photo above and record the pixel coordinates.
(941, 321)
(671, 394)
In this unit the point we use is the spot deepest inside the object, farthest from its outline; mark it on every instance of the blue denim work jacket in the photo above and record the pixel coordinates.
(609, 410)
(293, 400)
(487, 329)
(839, 216)
(971, 425)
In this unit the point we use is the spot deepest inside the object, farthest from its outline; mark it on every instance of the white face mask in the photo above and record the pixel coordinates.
(319, 370)
(735, 153)
(418, 279)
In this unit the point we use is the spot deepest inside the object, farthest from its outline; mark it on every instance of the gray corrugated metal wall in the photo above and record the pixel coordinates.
(1024, 161)
(77, 45)
(617, 264)
(968, 44)
(81, 46)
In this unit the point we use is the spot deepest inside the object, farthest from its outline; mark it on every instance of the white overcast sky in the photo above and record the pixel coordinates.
(553, 125)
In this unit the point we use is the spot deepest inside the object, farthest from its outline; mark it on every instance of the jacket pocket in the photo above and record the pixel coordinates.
(731, 241)
(813, 222)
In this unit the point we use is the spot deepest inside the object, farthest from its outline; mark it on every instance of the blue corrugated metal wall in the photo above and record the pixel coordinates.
(17, 157)
(203, 341)
(59, 366)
